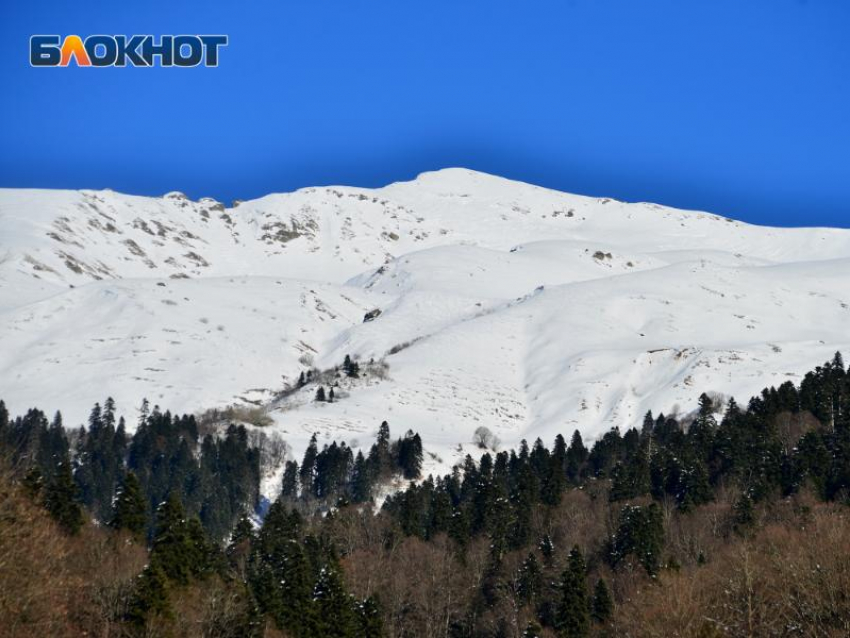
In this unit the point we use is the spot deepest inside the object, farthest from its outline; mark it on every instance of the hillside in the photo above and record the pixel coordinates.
(504, 305)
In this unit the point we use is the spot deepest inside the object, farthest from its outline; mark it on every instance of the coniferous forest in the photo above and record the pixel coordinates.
(732, 520)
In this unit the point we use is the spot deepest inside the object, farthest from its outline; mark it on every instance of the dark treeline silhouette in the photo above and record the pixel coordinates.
(653, 531)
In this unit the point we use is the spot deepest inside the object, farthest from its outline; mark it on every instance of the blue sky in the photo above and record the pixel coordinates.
(740, 107)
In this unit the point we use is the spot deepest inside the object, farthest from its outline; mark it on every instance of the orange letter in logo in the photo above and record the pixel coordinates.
(73, 46)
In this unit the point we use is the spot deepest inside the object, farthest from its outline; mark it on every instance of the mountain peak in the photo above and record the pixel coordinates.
(524, 309)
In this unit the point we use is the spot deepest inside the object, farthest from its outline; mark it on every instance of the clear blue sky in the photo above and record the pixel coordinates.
(741, 107)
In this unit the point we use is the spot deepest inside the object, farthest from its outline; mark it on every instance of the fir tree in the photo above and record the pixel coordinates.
(351, 368)
(244, 531)
(33, 483)
(380, 459)
(409, 452)
(335, 608)
(130, 512)
(361, 480)
(279, 572)
(744, 515)
(640, 534)
(307, 472)
(547, 548)
(174, 550)
(572, 618)
(4, 421)
(577, 456)
(320, 394)
(289, 483)
(529, 579)
(601, 607)
(150, 597)
(60, 499)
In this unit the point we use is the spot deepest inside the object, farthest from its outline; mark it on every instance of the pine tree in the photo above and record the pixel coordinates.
(601, 607)
(130, 510)
(331, 396)
(572, 618)
(320, 394)
(60, 498)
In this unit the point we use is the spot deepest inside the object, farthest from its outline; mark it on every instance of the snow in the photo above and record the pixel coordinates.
(528, 311)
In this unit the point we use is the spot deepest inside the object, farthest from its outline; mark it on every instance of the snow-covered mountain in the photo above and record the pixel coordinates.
(504, 305)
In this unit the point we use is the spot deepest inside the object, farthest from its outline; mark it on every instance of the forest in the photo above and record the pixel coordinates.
(731, 520)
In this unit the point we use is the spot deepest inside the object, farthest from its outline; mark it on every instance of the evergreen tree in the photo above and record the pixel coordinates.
(335, 609)
(409, 453)
(602, 606)
(371, 624)
(175, 549)
(289, 483)
(572, 618)
(150, 597)
(242, 533)
(320, 394)
(130, 510)
(547, 548)
(307, 472)
(60, 498)
(279, 572)
(380, 458)
(351, 368)
(744, 514)
(529, 579)
(361, 480)
(53, 446)
(4, 421)
(640, 534)
(33, 483)
(703, 429)
(577, 456)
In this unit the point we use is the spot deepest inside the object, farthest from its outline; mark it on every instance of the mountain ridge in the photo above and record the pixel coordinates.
(504, 305)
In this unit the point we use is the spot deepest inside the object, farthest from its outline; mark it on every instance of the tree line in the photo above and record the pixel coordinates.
(674, 522)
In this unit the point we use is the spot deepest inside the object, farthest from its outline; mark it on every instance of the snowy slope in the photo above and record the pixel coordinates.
(506, 305)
